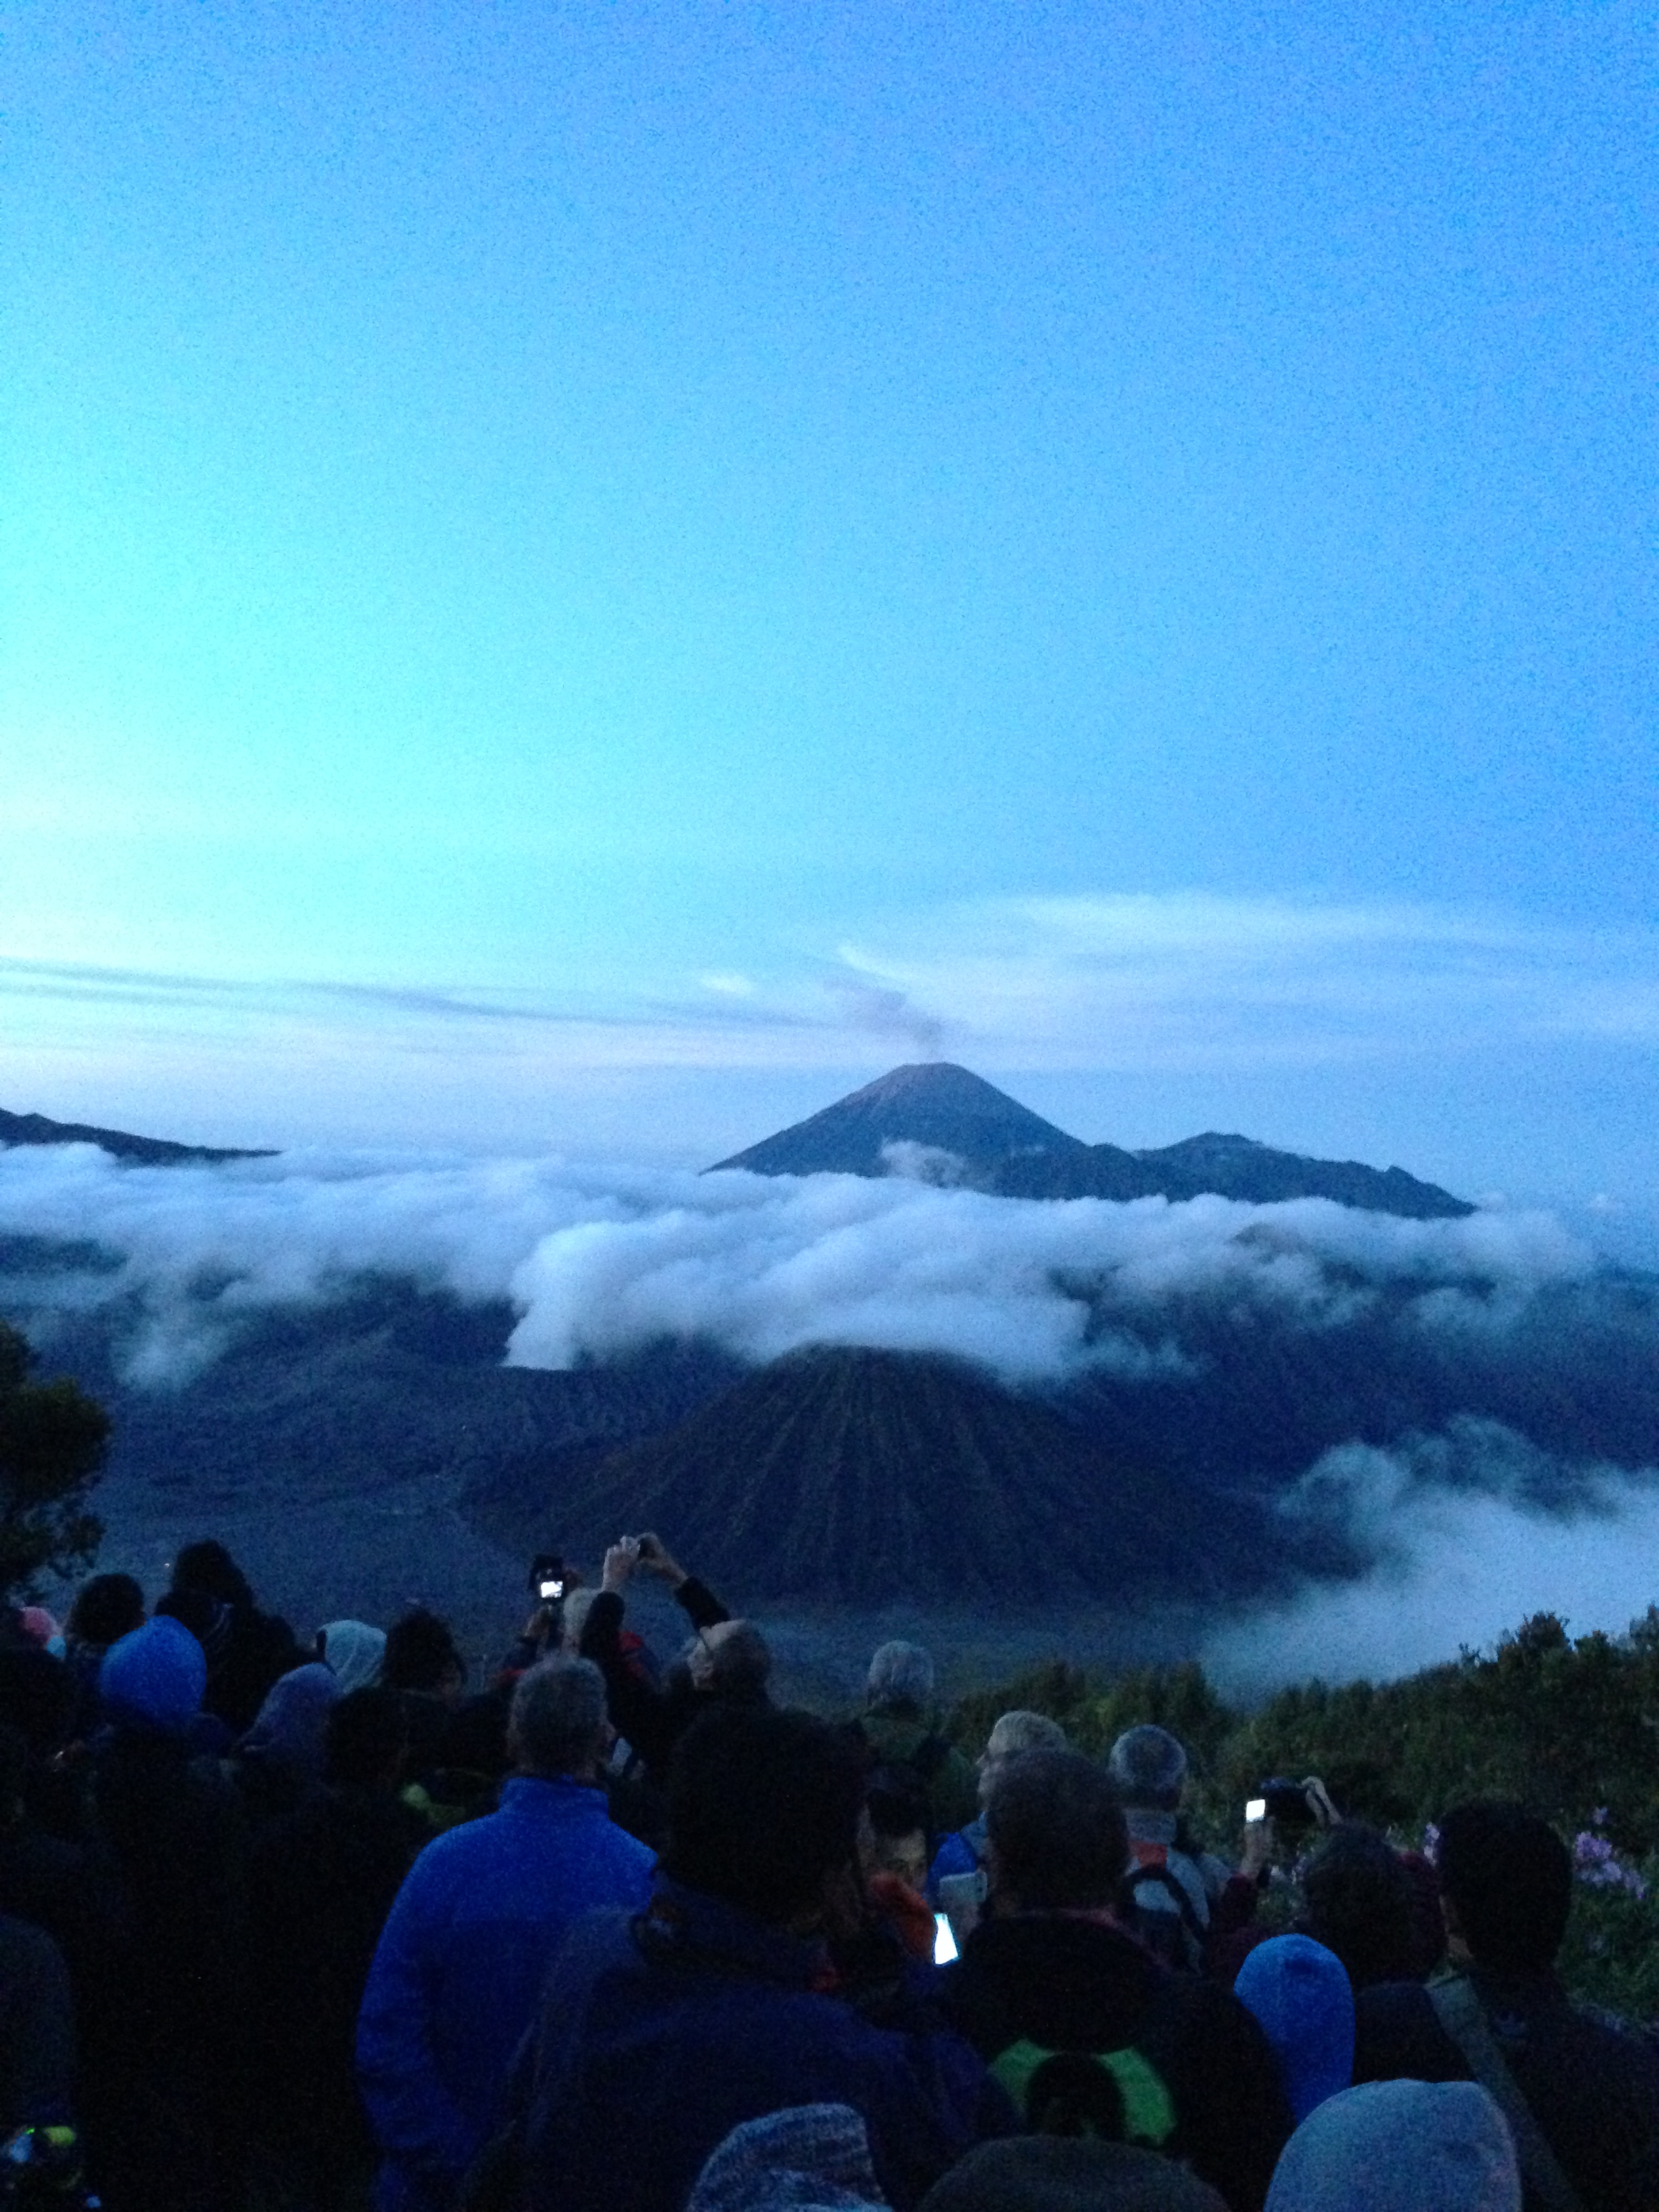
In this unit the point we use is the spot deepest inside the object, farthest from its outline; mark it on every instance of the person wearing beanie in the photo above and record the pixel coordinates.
(1401, 2147)
(1060, 2173)
(806, 2158)
(1300, 1993)
(1581, 2093)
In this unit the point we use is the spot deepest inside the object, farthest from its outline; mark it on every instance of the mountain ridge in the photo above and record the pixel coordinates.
(121, 1144)
(942, 1123)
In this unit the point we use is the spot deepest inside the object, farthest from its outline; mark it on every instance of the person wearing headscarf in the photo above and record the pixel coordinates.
(1300, 1993)
(354, 1652)
(280, 1759)
(1401, 2147)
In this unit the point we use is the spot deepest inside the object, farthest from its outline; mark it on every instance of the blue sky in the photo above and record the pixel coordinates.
(591, 576)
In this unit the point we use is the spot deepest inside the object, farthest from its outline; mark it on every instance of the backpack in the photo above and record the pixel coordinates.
(1114, 2096)
(1156, 1906)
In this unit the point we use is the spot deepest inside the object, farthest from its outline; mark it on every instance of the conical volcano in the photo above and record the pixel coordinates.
(933, 1104)
(860, 1477)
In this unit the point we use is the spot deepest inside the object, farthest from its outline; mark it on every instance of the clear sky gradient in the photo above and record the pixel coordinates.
(591, 575)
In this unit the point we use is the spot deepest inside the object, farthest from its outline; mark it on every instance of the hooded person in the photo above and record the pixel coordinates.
(165, 1821)
(153, 1678)
(806, 2158)
(353, 1651)
(1060, 2174)
(280, 1759)
(1401, 2147)
(1300, 1993)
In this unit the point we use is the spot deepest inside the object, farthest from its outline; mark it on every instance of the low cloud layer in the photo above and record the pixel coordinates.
(1456, 1562)
(598, 1262)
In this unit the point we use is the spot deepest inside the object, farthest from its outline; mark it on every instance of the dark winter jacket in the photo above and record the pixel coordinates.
(37, 2029)
(1593, 2087)
(659, 2035)
(1188, 2071)
(322, 1881)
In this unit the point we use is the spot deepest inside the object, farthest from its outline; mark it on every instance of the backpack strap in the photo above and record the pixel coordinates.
(1158, 1872)
(1461, 2013)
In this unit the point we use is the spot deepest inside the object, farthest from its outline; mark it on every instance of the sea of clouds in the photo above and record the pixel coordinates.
(597, 1262)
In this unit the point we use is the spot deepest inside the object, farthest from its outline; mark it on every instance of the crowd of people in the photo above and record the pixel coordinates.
(309, 1926)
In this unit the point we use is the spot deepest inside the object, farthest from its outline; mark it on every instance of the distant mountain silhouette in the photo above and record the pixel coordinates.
(855, 1476)
(943, 1124)
(147, 1152)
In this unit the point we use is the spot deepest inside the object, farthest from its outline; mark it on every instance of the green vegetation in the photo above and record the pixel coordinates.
(52, 1438)
(1569, 1727)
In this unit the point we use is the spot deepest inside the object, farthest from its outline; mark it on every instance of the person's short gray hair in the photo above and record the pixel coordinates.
(900, 1674)
(558, 1716)
(1148, 1766)
(1022, 1730)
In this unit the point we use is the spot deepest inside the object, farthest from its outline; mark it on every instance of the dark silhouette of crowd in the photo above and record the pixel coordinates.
(307, 1926)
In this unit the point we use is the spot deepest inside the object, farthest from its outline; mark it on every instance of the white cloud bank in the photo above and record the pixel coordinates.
(1454, 1566)
(598, 1261)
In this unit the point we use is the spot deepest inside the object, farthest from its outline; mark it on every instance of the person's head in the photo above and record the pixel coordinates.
(731, 1659)
(209, 1566)
(900, 1680)
(154, 1678)
(365, 1740)
(352, 1651)
(421, 1654)
(288, 1728)
(1149, 1767)
(38, 1627)
(573, 1620)
(1360, 1904)
(1401, 2147)
(557, 1727)
(207, 1618)
(105, 1609)
(1300, 1993)
(1016, 1732)
(764, 1809)
(1506, 1878)
(896, 1801)
(1056, 1834)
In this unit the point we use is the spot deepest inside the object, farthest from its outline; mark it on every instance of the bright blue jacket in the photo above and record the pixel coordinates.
(659, 2036)
(961, 1853)
(458, 1973)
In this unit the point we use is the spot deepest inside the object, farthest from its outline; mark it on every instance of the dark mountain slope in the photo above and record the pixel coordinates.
(859, 1477)
(996, 1145)
(145, 1151)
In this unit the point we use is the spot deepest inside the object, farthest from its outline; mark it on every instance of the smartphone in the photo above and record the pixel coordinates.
(548, 1577)
(944, 1943)
(1256, 1808)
